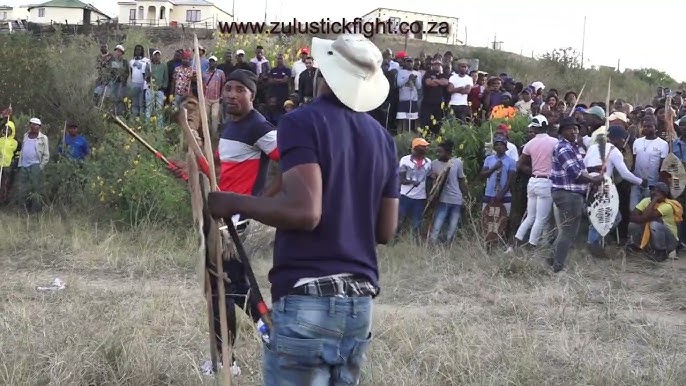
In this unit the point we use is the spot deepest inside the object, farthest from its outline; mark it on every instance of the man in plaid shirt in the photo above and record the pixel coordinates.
(569, 186)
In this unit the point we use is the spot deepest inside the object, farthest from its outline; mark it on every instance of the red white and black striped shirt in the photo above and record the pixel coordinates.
(245, 148)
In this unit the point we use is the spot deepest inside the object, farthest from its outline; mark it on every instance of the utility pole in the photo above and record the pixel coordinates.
(497, 45)
(233, 10)
(266, 2)
(583, 43)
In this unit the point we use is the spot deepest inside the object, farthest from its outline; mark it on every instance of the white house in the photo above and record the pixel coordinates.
(157, 13)
(69, 11)
(432, 28)
(8, 12)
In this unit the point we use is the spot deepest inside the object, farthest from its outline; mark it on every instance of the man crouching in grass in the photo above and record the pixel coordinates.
(339, 199)
(655, 220)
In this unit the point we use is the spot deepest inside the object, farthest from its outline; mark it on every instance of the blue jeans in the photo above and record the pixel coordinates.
(594, 236)
(412, 208)
(443, 211)
(317, 341)
(137, 95)
(155, 104)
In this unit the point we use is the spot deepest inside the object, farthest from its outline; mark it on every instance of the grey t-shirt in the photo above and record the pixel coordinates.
(451, 191)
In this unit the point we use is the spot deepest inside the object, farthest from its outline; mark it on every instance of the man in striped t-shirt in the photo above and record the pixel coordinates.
(570, 182)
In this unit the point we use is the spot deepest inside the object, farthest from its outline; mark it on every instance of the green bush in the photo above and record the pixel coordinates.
(122, 180)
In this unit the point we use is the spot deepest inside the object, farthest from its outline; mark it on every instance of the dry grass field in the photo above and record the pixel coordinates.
(132, 313)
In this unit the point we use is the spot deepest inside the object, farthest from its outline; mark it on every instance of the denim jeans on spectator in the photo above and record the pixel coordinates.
(115, 93)
(593, 235)
(317, 341)
(661, 238)
(413, 209)
(570, 207)
(137, 95)
(445, 211)
(637, 194)
(155, 104)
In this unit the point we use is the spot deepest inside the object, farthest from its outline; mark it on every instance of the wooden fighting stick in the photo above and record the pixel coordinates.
(214, 240)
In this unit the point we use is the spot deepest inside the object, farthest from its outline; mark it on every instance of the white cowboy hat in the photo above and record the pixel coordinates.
(351, 66)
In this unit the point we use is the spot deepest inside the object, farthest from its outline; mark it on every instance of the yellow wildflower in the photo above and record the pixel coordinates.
(461, 146)
(127, 147)
(135, 162)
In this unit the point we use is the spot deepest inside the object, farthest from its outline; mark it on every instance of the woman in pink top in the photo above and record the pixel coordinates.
(536, 160)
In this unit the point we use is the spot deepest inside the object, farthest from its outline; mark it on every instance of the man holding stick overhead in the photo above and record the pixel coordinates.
(339, 199)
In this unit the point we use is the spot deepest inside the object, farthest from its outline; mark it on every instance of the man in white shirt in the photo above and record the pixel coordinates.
(139, 73)
(414, 169)
(616, 137)
(649, 152)
(33, 157)
(459, 87)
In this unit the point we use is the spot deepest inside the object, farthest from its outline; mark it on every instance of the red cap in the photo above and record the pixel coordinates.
(401, 55)
(186, 54)
(503, 126)
(304, 50)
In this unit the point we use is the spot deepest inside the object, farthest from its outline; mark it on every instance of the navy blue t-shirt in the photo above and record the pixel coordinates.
(280, 90)
(359, 166)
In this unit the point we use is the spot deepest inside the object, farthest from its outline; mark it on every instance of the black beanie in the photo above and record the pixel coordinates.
(246, 77)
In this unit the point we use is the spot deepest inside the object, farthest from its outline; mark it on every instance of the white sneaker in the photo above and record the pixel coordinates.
(207, 368)
(235, 370)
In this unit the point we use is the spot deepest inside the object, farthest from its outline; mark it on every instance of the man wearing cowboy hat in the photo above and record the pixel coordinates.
(569, 186)
(339, 200)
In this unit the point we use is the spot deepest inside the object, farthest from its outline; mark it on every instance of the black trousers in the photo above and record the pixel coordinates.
(624, 192)
(428, 110)
(236, 295)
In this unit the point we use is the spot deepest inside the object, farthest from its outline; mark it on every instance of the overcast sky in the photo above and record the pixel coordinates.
(633, 33)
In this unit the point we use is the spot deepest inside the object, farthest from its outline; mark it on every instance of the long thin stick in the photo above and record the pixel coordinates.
(214, 227)
(578, 97)
(143, 142)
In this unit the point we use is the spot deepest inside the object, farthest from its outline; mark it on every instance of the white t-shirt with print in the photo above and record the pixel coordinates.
(457, 99)
(649, 154)
(415, 172)
(138, 68)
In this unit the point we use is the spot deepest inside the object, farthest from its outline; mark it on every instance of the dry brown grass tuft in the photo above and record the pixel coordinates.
(132, 313)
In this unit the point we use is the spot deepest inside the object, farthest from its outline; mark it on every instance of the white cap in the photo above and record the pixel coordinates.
(36, 121)
(212, 58)
(120, 48)
(240, 52)
(156, 52)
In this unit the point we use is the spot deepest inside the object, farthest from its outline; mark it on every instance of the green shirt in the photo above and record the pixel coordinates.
(160, 76)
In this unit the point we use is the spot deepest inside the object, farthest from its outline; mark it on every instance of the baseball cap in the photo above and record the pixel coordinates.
(500, 139)
(419, 142)
(240, 52)
(35, 121)
(597, 111)
(539, 121)
(661, 186)
(401, 55)
(156, 52)
(212, 58)
(120, 48)
(304, 50)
